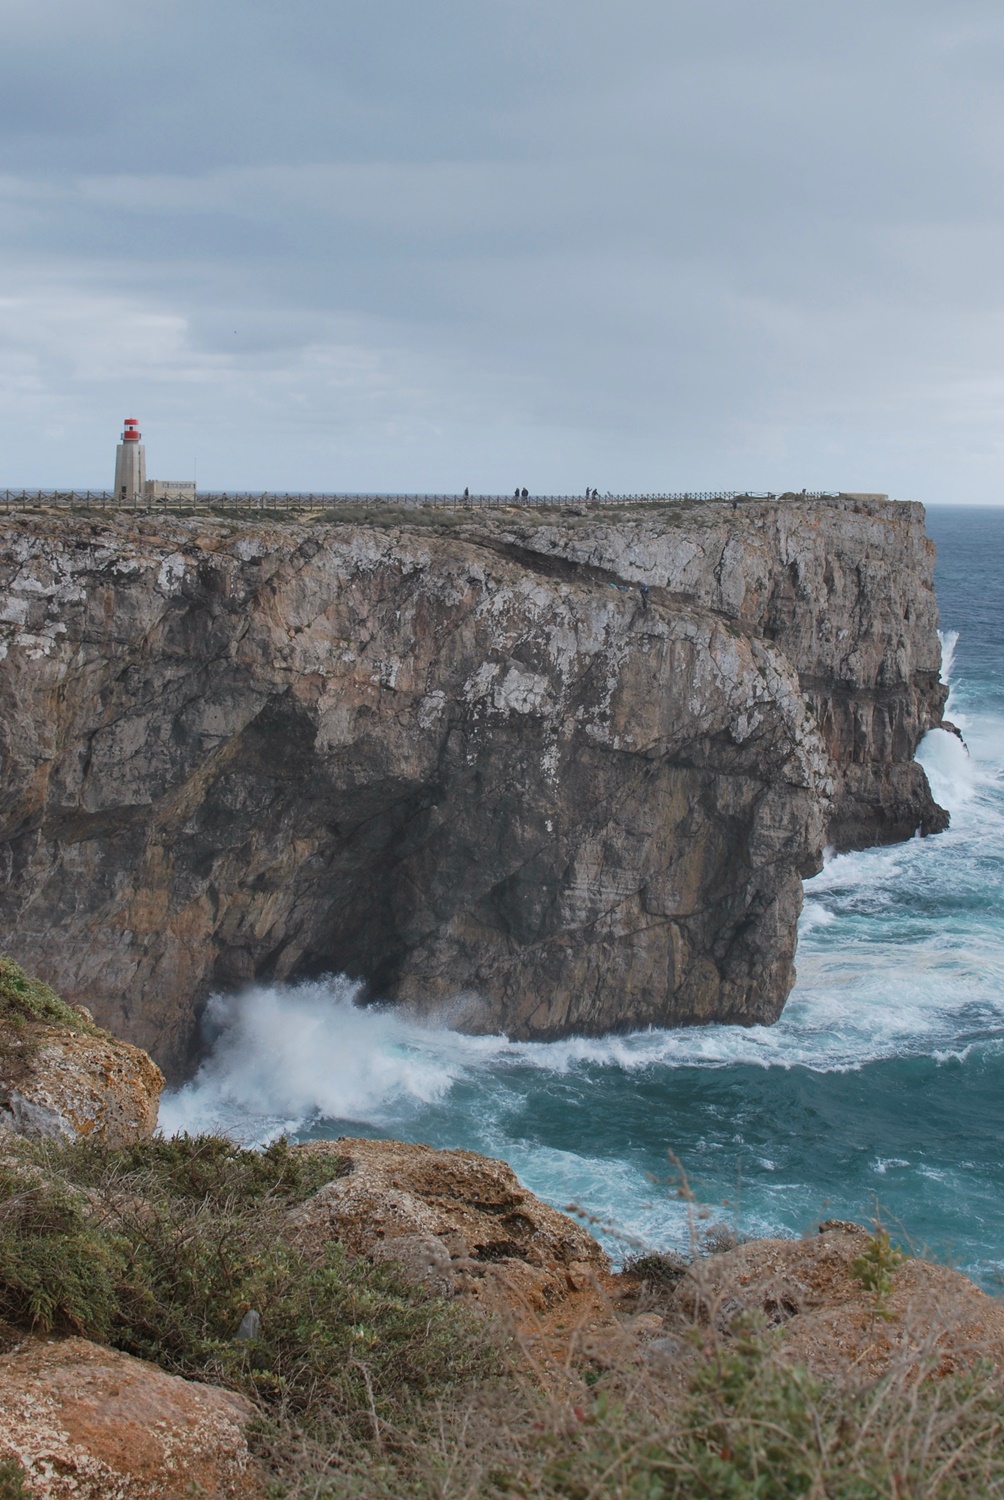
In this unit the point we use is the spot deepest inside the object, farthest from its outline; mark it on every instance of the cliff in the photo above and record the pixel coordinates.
(464, 759)
(844, 587)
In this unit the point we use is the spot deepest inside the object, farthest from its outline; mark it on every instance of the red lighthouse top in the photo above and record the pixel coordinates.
(131, 434)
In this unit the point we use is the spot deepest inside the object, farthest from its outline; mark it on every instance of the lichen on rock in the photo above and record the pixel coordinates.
(451, 1220)
(61, 1076)
(90, 1423)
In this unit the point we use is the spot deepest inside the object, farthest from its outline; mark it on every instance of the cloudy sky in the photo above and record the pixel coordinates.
(422, 244)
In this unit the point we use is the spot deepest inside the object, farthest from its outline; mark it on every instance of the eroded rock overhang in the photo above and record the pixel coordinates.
(469, 761)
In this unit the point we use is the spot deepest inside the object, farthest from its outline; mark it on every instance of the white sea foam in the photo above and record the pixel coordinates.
(814, 915)
(953, 775)
(285, 1056)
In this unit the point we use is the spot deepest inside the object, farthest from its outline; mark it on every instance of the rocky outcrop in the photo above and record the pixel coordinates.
(468, 762)
(461, 1224)
(811, 1297)
(62, 1077)
(816, 1293)
(453, 1221)
(75, 1084)
(91, 1423)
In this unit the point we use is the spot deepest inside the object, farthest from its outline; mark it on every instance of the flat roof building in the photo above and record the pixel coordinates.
(170, 489)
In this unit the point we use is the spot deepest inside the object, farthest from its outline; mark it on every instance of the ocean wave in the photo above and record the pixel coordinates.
(954, 776)
(286, 1058)
(285, 1055)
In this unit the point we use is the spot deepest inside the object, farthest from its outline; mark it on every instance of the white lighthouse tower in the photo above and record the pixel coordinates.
(130, 465)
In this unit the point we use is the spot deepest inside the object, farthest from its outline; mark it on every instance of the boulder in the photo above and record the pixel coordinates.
(81, 1083)
(828, 1320)
(94, 1424)
(421, 1259)
(61, 1076)
(451, 1220)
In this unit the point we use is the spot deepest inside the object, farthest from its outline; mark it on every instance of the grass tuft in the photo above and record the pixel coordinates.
(160, 1249)
(13, 1481)
(25, 1001)
(27, 1005)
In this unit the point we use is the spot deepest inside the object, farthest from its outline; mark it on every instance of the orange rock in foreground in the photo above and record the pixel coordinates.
(452, 1219)
(85, 1084)
(93, 1424)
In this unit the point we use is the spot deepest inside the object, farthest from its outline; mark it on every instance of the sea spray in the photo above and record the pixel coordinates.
(949, 641)
(953, 776)
(284, 1056)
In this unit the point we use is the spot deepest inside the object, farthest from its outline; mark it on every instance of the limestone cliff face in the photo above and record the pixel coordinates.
(470, 764)
(845, 588)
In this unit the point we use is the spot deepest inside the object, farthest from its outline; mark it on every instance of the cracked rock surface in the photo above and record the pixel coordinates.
(465, 761)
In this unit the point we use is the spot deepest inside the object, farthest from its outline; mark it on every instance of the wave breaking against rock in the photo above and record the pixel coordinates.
(545, 774)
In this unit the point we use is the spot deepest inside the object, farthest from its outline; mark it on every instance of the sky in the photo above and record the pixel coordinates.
(639, 245)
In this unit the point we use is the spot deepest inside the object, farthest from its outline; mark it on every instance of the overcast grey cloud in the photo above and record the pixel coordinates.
(641, 245)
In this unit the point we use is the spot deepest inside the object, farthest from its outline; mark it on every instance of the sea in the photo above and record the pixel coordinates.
(878, 1096)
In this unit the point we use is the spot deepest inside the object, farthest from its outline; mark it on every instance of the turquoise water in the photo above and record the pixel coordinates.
(881, 1089)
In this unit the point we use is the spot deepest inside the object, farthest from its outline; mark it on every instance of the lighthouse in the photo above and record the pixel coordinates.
(130, 464)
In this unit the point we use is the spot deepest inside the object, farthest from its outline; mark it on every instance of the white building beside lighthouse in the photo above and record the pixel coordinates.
(130, 465)
(131, 483)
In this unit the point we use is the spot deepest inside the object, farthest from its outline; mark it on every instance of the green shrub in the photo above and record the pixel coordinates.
(24, 1001)
(57, 1273)
(12, 1481)
(204, 1169)
(875, 1268)
(341, 1335)
(161, 1248)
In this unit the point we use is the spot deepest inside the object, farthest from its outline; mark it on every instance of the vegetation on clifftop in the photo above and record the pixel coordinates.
(25, 1001)
(371, 1389)
(161, 1249)
(27, 1005)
